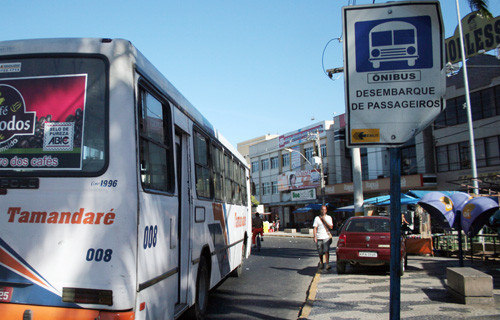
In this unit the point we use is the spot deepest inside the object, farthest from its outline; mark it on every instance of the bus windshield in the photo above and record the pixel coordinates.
(53, 115)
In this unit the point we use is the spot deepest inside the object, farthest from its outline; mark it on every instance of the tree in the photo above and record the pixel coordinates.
(481, 6)
(255, 202)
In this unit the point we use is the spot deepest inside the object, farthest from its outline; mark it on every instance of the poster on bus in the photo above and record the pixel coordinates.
(41, 122)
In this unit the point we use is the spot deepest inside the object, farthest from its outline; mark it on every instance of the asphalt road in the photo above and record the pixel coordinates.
(273, 284)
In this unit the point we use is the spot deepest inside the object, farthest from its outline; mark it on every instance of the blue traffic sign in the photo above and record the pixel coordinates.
(393, 44)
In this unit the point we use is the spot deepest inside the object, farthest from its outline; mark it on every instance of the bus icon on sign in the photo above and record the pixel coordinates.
(393, 44)
(393, 41)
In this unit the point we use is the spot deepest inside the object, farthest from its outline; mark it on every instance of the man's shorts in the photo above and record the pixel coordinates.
(324, 246)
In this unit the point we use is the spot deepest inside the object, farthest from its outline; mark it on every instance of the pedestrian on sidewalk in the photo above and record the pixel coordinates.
(323, 237)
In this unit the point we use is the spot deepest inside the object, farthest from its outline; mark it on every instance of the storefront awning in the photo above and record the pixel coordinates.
(380, 201)
(309, 207)
(420, 193)
(302, 210)
(405, 199)
(345, 209)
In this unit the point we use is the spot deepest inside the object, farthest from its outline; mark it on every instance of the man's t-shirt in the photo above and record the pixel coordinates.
(322, 233)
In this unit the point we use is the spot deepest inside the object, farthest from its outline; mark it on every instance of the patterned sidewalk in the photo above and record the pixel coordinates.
(364, 293)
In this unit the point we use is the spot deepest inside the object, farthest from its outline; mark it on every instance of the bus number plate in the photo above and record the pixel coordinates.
(6, 294)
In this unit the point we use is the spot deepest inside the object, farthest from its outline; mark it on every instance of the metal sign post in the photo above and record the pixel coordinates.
(395, 284)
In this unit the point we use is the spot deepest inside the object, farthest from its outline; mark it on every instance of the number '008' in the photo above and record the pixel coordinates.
(150, 237)
(99, 255)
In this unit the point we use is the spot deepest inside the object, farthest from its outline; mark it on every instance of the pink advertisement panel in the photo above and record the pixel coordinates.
(41, 122)
(302, 179)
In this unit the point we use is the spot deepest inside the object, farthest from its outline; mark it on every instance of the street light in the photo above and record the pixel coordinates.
(318, 160)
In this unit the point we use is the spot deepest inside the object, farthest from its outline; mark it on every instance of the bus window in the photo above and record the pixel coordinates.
(236, 181)
(202, 166)
(155, 144)
(243, 186)
(227, 183)
(218, 171)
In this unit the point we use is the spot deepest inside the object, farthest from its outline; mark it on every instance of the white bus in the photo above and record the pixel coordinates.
(118, 199)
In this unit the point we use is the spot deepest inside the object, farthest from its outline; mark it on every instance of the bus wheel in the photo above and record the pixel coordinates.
(202, 284)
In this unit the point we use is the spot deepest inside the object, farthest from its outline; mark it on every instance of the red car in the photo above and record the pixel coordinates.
(366, 241)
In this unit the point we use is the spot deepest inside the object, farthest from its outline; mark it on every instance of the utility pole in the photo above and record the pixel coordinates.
(357, 181)
(321, 170)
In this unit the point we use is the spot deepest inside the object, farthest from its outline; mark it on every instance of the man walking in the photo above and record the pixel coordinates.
(323, 238)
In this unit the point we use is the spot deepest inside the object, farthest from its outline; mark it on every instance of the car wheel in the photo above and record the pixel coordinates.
(341, 266)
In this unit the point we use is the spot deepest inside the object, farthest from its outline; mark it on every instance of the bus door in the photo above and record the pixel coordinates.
(183, 230)
(158, 257)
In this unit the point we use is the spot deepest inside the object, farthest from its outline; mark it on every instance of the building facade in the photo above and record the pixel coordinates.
(285, 170)
(438, 158)
(244, 147)
(451, 133)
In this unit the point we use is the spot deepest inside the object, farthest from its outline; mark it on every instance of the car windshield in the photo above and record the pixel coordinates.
(368, 225)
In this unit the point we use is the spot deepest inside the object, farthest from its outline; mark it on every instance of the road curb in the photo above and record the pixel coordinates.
(310, 297)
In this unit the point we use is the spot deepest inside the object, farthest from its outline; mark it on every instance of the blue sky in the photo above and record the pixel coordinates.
(251, 67)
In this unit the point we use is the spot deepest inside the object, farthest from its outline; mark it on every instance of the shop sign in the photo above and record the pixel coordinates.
(296, 137)
(480, 35)
(376, 185)
(299, 195)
